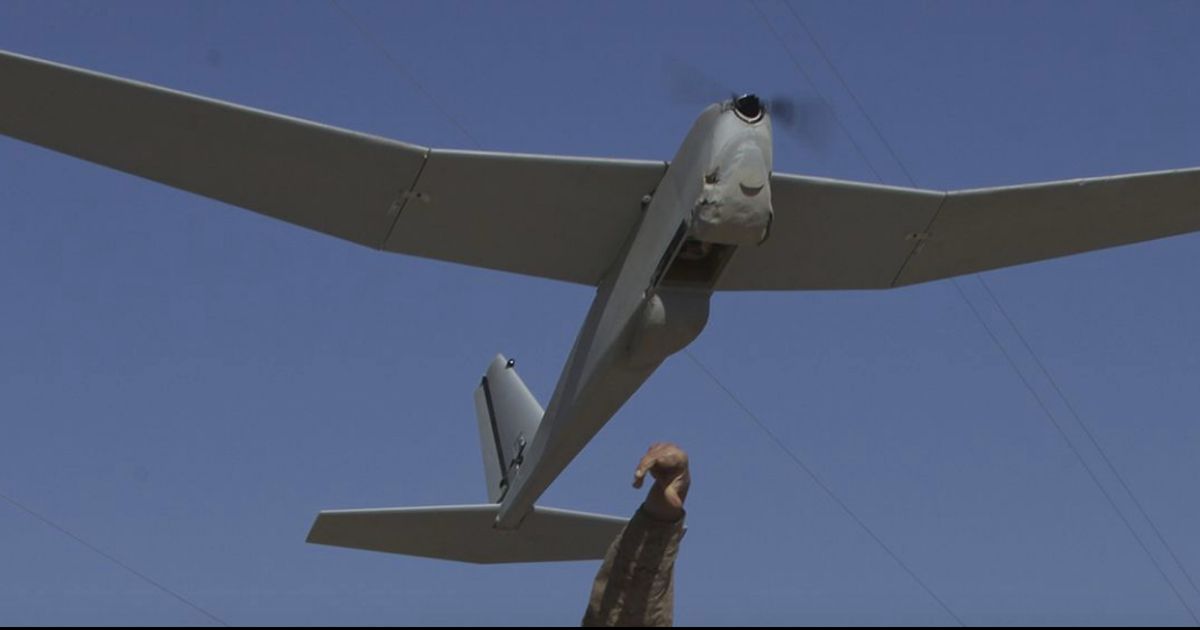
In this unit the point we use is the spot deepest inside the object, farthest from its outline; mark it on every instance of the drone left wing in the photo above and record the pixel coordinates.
(555, 217)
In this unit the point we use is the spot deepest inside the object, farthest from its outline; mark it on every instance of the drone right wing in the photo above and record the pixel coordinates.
(830, 234)
(557, 217)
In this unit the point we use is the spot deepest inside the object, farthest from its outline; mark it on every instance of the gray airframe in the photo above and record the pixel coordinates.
(656, 239)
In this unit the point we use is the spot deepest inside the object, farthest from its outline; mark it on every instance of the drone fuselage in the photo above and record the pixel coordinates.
(653, 302)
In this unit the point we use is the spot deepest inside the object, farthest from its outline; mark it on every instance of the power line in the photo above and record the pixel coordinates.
(1091, 437)
(366, 34)
(821, 484)
(863, 156)
(857, 103)
(1091, 474)
(996, 340)
(804, 73)
(145, 578)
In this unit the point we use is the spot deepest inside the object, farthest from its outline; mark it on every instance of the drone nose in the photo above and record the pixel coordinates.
(751, 191)
(751, 172)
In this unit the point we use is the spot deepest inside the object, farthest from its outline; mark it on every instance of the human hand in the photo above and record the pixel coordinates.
(668, 464)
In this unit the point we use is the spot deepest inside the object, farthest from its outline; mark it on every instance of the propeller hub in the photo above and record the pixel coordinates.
(748, 107)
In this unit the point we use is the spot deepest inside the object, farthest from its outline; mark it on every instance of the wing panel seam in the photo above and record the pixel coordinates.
(918, 242)
(405, 196)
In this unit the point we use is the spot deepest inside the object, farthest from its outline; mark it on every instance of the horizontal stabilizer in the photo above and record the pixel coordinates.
(466, 533)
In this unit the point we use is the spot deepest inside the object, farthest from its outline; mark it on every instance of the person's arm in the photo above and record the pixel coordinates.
(635, 585)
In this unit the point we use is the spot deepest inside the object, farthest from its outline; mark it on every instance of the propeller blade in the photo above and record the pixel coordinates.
(688, 85)
(808, 118)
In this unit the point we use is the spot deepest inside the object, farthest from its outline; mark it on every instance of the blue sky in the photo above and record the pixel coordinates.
(184, 384)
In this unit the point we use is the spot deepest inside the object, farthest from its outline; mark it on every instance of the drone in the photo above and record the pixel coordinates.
(656, 240)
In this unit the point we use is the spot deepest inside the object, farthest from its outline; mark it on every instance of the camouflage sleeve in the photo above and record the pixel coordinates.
(635, 585)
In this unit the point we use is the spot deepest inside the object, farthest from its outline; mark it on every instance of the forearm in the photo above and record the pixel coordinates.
(635, 585)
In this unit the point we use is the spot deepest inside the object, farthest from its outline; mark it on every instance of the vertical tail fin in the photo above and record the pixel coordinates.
(508, 417)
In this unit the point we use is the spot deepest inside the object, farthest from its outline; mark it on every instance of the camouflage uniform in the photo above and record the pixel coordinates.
(635, 585)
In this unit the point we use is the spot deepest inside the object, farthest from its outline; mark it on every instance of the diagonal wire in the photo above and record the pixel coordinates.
(821, 484)
(1041, 366)
(1091, 437)
(862, 155)
(145, 578)
(1054, 421)
(829, 62)
(366, 34)
(808, 78)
